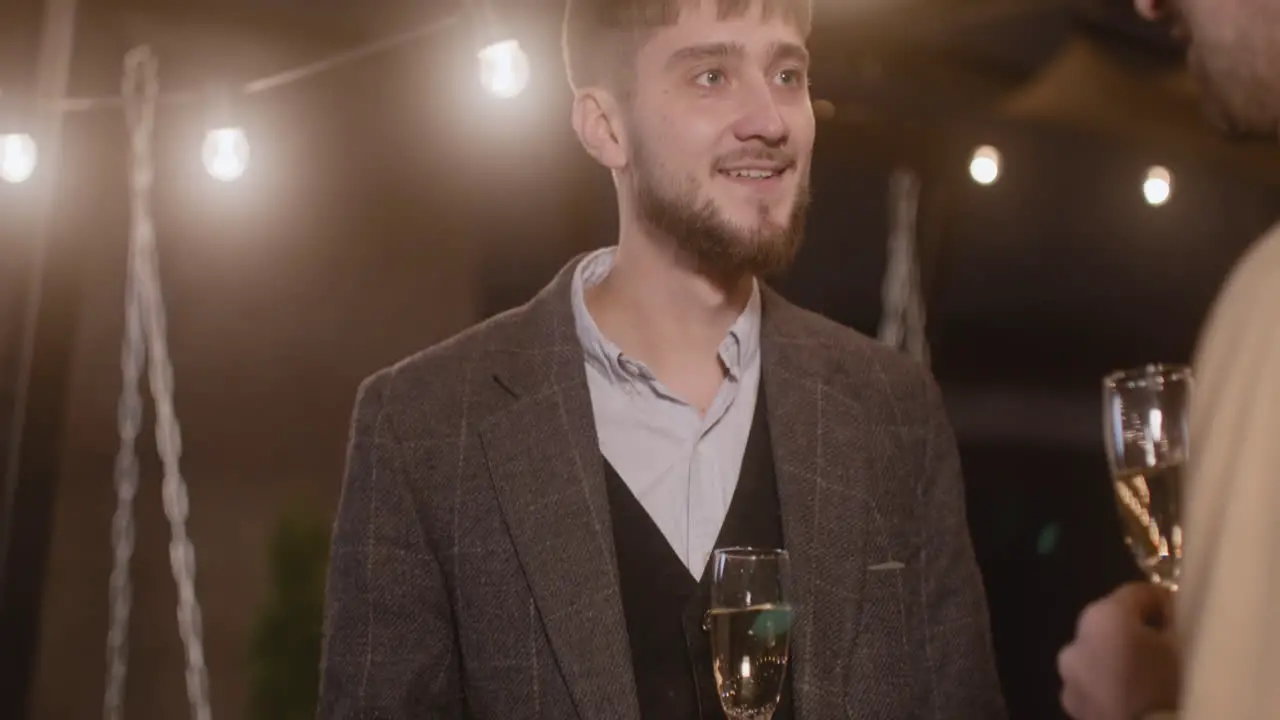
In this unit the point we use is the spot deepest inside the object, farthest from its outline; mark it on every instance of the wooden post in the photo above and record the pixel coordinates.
(29, 455)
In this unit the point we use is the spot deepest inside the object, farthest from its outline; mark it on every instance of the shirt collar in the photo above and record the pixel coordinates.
(601, 353)
(738, 351)
(741, 347)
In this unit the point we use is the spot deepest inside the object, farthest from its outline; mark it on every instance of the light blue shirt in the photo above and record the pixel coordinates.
(681, 465)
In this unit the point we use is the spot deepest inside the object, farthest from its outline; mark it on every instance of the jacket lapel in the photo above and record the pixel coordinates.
(545, 463)
(819, 450)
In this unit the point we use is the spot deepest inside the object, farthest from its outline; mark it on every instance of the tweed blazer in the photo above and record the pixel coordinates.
(473, 572)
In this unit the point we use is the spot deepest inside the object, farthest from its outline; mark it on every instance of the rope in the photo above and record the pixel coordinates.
(146, 340)
(902, 320)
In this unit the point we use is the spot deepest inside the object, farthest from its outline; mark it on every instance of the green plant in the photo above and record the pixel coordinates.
(285, 649)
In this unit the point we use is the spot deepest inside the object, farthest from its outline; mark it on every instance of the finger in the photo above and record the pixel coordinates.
(1074, 697)
(1146, 601)
(1108, 627)
(1064, 662)
(1102, 618)
(1153, 680)
(1069, 700)
(1077, 703)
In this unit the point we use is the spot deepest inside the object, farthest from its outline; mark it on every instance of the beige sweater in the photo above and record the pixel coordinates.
(1229, 604)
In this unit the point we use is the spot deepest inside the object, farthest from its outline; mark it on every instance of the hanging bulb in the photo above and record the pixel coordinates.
(226, 153)
(18, 152)
(226, 146)
(504, 69)
(18, 157)
(1157, 188)
(984, 166)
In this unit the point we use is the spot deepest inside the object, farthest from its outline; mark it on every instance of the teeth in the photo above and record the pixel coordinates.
(753, 174)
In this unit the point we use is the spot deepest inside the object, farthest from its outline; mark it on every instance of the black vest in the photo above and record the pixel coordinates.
(663, 603)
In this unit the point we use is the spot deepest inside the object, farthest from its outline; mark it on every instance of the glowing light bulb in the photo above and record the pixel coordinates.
(1157, 188)
(984, 167)
(18, 157)
(504, 69)
(226, 153)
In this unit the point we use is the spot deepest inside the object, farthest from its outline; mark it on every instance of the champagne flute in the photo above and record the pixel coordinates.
(1145, 419)
(749, 621)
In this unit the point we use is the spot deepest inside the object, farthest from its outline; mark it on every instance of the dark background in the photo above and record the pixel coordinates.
(390, 204)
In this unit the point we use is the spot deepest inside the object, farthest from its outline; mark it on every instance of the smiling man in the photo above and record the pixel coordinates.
(529, 508)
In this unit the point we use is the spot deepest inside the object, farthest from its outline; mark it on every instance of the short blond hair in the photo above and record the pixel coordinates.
(601, 37)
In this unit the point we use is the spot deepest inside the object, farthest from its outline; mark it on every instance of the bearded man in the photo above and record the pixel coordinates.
(530, 508)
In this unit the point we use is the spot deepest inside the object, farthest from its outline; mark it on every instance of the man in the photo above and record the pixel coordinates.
(1126, 656)
(529, 507)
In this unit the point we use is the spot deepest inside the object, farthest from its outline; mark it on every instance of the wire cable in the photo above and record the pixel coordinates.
(280, 79)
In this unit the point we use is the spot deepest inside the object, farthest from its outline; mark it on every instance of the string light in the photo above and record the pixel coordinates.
(504, 66)
(226, 146)
(984, 166)
(18, 157)
(1157, 188)
(504, 72)
(504, 69)
(18, 151)
(226, 153)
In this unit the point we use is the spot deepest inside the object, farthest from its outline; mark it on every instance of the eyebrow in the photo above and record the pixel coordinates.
(709, 51)
(789, 51)
(722, 51)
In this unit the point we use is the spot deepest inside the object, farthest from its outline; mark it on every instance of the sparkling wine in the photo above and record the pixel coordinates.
(750, 648)
(1150, 502)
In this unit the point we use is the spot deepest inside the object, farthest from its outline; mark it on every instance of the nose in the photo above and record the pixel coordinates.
(760, 118)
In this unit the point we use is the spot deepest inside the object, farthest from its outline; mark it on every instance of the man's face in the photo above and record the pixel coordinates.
(720, 131)
(1233, 49)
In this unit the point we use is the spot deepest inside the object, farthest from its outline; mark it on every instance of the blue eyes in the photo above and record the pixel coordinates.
(710, 78)
(792, 77)
(714, 78)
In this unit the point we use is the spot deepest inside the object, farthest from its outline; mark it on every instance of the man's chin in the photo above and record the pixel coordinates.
(753, 219)
(734, 266)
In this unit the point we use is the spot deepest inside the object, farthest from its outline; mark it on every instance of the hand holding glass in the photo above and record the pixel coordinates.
(750, 625)
(1145, 419)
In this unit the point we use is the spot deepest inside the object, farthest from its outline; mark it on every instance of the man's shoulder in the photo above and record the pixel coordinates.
(861, 365)
(1243, 315)
(443, 368)
(1258, 269)
(1250, 293)
(852, 342)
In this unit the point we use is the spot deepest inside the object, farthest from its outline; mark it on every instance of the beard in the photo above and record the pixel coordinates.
(1241, 97)
(721, 247)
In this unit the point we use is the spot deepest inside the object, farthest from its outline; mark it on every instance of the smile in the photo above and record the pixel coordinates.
(756, 177)
(752, 174)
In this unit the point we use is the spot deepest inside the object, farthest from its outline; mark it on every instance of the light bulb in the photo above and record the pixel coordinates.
(1158, 186)
(504, 69)
(226, 153)
(18, 157)
(984, 168)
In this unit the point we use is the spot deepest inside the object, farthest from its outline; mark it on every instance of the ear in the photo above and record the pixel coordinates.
(597, 119)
